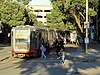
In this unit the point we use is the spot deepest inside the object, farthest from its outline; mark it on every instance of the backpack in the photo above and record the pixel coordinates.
(62, 53)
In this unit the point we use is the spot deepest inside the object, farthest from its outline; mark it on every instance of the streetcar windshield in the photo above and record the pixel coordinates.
(21, 43)
(21, 39)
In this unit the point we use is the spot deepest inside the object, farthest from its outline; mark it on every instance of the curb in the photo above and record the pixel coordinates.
(4, 58)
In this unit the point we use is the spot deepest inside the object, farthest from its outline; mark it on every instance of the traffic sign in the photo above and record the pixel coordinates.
(86, 24)
(86, 40)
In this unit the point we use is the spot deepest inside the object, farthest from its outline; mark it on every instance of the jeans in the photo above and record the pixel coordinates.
(62, 59)
(43, 55)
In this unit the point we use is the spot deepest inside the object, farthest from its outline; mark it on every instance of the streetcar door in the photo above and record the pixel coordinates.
(38, 44)
(34, 43)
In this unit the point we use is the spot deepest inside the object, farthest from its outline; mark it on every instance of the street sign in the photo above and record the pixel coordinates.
(86, 24)
(86, 40)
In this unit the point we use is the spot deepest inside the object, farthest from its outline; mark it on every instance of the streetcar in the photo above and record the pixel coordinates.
(26, 40)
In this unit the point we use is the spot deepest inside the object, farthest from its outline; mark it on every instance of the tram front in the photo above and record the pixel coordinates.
(20, 41)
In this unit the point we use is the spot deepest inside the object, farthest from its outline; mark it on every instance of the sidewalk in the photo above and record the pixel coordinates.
(76, 52)
(84, 63)
(4, 51)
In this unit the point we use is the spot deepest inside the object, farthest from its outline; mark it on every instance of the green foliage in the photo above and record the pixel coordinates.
(70, 26)
(55, 19)
(15, 13)
(92, 12)
(31, 18)
(12, 13)
(64, 10)
(26, 1)
(58, 16)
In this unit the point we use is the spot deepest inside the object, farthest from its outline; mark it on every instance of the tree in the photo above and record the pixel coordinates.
(58, 15)
(30, 17)
(77, 11)
(72, 11)
(24, 1)
(55, 19)
(12, 13)
(15, 13)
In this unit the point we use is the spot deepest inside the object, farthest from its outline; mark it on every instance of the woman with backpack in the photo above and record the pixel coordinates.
(62, 56)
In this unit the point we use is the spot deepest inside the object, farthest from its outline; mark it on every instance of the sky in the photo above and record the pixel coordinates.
(39, 2)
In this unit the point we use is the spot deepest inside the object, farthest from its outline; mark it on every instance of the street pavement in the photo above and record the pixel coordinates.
(5, 52)
(77, 52)
(78, 62)
(85, 63)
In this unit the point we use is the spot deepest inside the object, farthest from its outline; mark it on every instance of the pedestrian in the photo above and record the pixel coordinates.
(61, 42)
(43, 51)
(58, 47)
(62, 56)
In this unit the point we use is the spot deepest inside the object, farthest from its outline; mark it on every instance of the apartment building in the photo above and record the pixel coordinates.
(40, 10)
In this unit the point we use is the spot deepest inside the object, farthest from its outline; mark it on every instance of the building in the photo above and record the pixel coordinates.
(40, 8)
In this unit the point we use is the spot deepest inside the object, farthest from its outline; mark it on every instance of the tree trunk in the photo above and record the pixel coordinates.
(78, 22)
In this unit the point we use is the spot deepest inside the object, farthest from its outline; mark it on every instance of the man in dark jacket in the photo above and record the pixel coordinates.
(59, 45)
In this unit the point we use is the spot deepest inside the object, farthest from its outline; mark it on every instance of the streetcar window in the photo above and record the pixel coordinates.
(21, 37)
(51, 34)
(21, 41)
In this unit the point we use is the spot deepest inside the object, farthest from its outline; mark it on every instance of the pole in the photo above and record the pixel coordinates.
(86, 27)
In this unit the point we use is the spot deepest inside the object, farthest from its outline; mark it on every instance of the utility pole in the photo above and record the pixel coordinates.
(86, 25)
(86, 10)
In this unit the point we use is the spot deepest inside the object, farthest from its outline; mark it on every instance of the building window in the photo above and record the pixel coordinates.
(44, 16)
(37, 10)
(46, 10)
(39, 16)
(45, 22)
